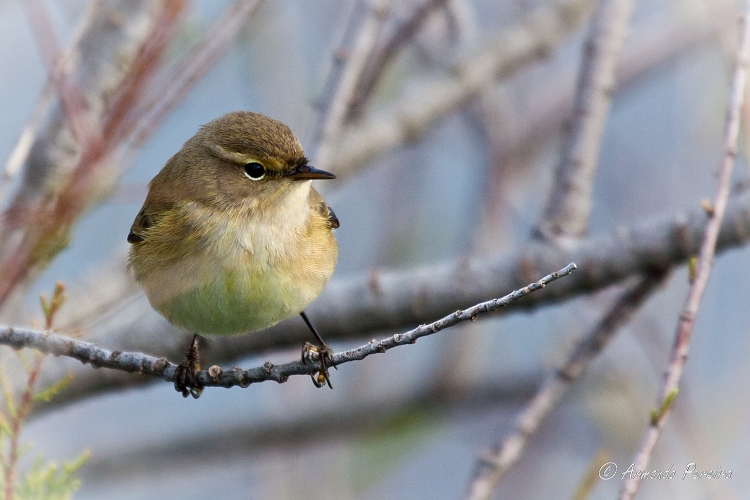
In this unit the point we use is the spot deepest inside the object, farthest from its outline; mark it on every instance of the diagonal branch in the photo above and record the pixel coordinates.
(569, 205)
(34, 230)
(64, 177)
(361, 305)
(58, 69)
(495, 464)
(111, 38)
(86, 352)
(334, 114)
(540, 31)
(191, 69)
(703, 267)
(386, 52)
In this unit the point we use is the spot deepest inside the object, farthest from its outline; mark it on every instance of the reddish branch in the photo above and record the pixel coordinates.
(38, 229)
(686, 321)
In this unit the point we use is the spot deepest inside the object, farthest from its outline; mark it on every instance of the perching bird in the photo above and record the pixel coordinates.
(232, 238)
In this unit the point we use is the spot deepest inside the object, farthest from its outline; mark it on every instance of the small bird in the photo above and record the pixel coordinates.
(232, 238)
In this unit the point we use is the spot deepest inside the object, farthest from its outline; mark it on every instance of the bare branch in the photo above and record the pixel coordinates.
(109, 40)
(706, 255)
(34, 230)
(22, 148)
(63, 177)
(492, 466)
(339, 59)
(655, 41)
(192, 68)
(356, 62)
(328, 421)
(380, 300)
(86, 352)
(569, 205)
(387, 299)
(59, 71)
(386, 52)
(539, 32)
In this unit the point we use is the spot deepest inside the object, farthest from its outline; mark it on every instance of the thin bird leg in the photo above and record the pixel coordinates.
(325, 355)
(186, 381)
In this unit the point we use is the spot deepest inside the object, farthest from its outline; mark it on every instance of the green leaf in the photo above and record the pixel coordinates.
(657, 415)
(10, 400)
(50, 392)
(50, 481)
(4, 425)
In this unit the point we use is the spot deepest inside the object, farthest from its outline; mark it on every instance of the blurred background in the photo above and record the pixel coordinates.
(410, 423)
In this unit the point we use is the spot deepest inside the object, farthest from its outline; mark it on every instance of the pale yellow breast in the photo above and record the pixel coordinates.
(259, 267)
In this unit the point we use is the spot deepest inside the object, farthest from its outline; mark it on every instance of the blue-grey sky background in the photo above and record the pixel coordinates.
(420, 204)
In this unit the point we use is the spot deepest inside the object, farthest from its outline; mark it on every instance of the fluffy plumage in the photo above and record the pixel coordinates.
(219, 252)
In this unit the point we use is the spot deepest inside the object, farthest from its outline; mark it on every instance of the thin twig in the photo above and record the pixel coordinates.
(42, 228)
(706, 255)
(110, 38)
(37, 223)
(569, 205)
(340, 56)
(86, 352)
(655, 41)
(16, 418)
(350, 308)
(71, 95)
(356, 62)
(22, 148)
(10, 466)
(538, 33)
(123, 112)
(386, 52)
(493, 465)
(188, 71)
(547, 101)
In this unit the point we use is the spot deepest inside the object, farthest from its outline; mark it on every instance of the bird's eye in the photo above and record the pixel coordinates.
(255, 171)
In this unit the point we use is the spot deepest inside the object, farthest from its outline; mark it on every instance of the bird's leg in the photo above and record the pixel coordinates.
(325, 355)
(186, 382)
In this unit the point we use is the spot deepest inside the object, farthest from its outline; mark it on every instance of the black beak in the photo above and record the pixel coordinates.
(306, 172)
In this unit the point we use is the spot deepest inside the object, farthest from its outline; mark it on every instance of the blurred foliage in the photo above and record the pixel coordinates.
(49, 481)
(385, 446)
(45, 480)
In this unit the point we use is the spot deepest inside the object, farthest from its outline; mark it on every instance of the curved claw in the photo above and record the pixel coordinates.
(325, 356)
(186, 380)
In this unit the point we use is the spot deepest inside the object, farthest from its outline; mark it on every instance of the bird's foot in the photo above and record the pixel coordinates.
(186, 381)
(325, 359)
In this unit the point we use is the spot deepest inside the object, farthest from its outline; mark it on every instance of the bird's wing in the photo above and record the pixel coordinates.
(145, 219)
(319, 205)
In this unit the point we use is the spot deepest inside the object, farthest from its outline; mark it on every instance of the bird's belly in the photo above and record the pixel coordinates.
(246, 277)
(237, 301)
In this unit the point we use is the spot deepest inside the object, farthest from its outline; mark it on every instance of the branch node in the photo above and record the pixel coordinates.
(87, 352)
(215, 372)
(658, 415)
(687, 316)
(373, 282)
(707, 207)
